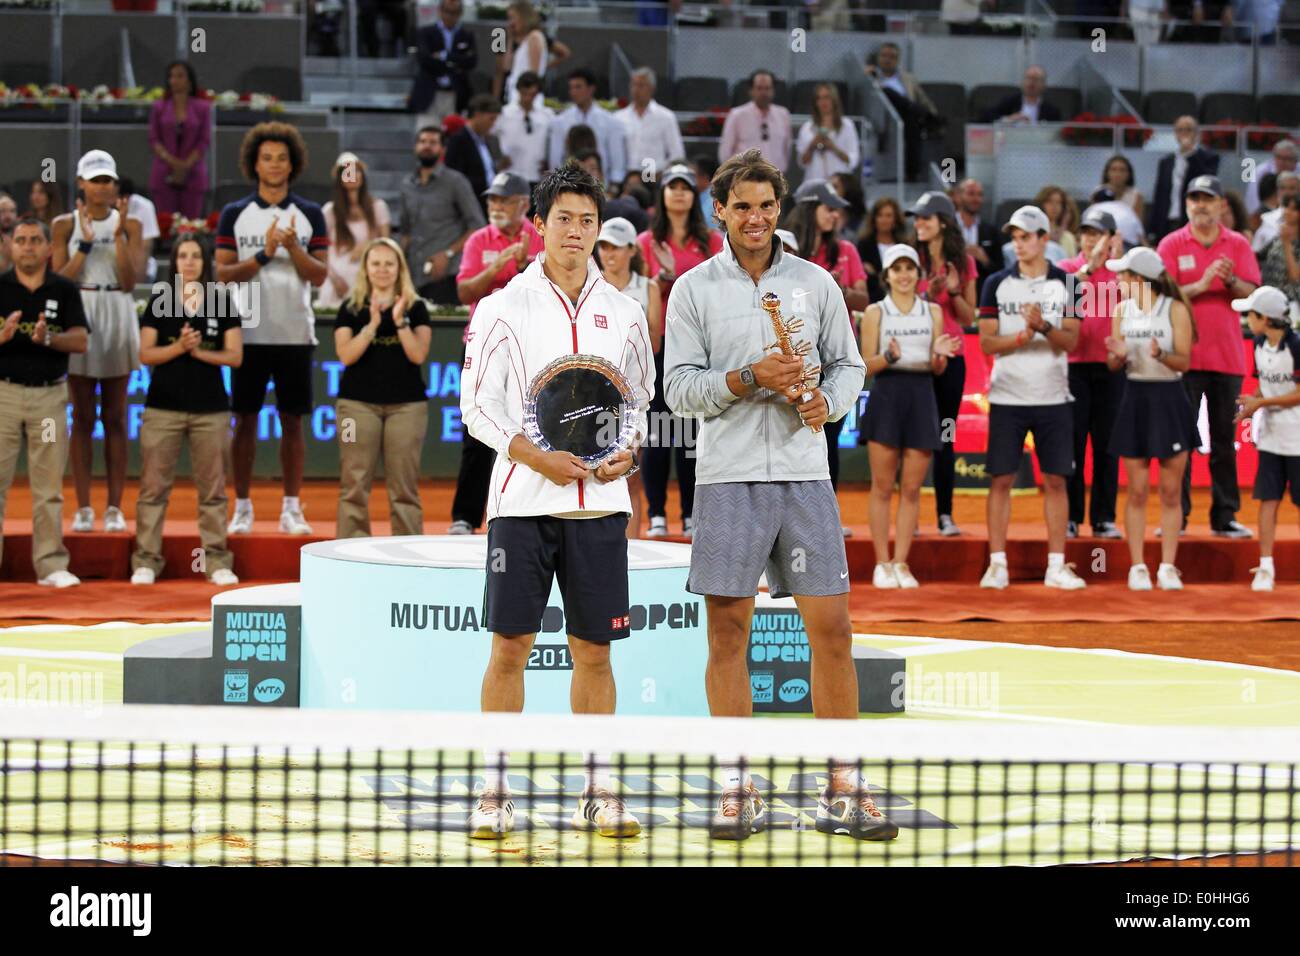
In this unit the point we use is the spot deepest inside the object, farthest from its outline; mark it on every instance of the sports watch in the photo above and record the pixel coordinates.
(747, 376)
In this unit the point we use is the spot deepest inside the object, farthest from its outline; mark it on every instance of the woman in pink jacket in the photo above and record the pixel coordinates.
(179, 135)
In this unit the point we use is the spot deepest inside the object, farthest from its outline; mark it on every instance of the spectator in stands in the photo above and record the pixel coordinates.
(705, 166)
(848, 186)
(1213, 266)
(382, 337)
(438, 213)
(948, 274)
(1280, 260)
(526, 52)
(8, 219)
(908, 97)
(98, 246)
(589, 160)
(1028, 106)
(983, 241)
(275, 240)
(1284, 159)
(474, 151)
(523, 130)
(186, 338)
(881, 228)
(633, 204)
(1288, 187)
(611, 137)
(759, 124)
(1234, 216)
(1202, 22)
(580, 138)
(44, 201)
(1096, 389)
(493, 256)
(369, 13)
(1168, 211)
(180, 135)
(828, 141)
(445, 55)
(654, 139)
(141, 209)
(678, 240)
(1260, 15)
(41, 322)
(352, 218)
(1119, 184)
(1063, 213)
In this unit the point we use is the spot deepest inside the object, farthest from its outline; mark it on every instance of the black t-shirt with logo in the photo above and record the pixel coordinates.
(383, 375)
(185, 384)
(22, 361)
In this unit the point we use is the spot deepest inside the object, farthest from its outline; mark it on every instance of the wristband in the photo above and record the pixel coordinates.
(261, 257)
(86, 247)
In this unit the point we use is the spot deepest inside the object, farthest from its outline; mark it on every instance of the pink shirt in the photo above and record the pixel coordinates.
(744, 129)
(487, 242)
(848, 267)
(936, 290)
(1218, 347)
(1100, 292)
(683, 259)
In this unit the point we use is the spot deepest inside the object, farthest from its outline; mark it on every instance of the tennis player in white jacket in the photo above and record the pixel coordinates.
(548, 515)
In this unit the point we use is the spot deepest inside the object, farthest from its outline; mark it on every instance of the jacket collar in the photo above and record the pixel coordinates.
(534, 277)
(729, 256)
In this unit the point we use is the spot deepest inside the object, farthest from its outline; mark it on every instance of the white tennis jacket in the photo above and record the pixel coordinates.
(515, 333)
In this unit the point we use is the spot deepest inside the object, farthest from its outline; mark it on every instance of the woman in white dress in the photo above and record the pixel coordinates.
(353, 217)
(828, 142)
(97, 246)
(528, 51)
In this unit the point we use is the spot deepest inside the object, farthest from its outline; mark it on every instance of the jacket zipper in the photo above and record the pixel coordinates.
(508, 476)
(573, 326)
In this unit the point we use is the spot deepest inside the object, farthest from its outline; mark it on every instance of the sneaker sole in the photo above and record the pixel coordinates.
(488, 833)
(629, 828)
(720, 832)
(1065, 587)
(877, 833)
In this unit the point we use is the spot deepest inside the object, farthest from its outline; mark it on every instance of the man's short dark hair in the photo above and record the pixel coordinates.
(569, 178)
(428, 129)
(526, 79)
(272, 132)
(484, 103)
(1267, 186)
(582, 155)
(584, 74)
(746, 167)
(706, 164)
(760, 72)
(33, 221)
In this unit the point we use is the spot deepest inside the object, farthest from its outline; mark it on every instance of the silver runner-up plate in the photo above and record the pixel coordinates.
(582, 404)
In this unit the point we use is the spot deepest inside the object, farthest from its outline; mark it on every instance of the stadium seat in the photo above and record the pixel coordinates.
(1165, 106)
(950, 99)
(740, 93)
(695, 94)
(985, 97)
(1216, 107)
(801, 97)
(1065, 99)
(282, 81)
(1134, 98)
(1280, 108)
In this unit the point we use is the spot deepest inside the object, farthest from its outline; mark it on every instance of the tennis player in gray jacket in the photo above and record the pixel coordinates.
(763, 497)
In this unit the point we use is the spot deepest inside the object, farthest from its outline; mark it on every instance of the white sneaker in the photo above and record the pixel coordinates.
(242, 522)
(883, 576)
(492, 817)
(59, 579)
(688, 528)
(459, 526)
(1063, 577)
(1139, 578)
(143, 576)
(84, 520)
(658, 528)
(114, 520)
(292, 522)
(223, 577)
(606, 813)
(995, 577)
(1169, 578)
(904, 576)
(947, 527)
(1263, 580)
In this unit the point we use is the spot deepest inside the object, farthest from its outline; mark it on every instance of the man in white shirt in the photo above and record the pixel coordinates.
(654, 139)
(523, 129)
(1286, 156)
(1270, 224)
(611, 138)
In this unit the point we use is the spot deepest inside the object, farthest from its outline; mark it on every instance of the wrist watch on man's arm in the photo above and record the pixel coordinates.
(747, 376)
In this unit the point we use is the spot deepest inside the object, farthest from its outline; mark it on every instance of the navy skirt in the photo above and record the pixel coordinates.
(1155, 420)
(902, 412)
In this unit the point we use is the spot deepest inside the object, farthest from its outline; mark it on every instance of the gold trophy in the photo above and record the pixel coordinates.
(771, 303)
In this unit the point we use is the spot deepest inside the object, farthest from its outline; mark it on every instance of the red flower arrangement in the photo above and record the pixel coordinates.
(173, 226)
(1262, 137)
(706, 124)
(1135, 135)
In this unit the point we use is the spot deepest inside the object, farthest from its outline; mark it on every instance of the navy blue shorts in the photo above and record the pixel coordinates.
(588, 556)
(287, 366)
(1273, 474)
(1154, 420)
(1052, 427)
(902, 411)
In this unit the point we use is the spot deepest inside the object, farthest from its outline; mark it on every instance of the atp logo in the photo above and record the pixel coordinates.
(761, 684)
(235, 687)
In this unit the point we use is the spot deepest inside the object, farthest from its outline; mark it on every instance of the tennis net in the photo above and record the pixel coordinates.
(219, 786)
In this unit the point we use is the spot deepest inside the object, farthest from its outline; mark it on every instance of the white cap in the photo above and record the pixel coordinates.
(1268, 301)
(899, 250)
(1030, 219)
(617, 232)
(788, 240)
(1143, 260)
(97, 162)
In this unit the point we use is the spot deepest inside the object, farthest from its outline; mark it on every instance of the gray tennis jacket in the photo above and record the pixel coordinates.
(715, 325)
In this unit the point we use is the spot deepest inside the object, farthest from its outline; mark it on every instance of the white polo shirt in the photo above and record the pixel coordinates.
(1277, 430)
(1034, 374)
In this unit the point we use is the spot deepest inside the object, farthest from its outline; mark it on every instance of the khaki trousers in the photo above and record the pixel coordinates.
(162, 432)
(38, 417)
(366, 432)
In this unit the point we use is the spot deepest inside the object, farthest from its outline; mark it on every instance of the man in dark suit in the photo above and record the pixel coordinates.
(474, 151)
(446, 54)
(1028, 106)
(983, 239)
(1168, 208)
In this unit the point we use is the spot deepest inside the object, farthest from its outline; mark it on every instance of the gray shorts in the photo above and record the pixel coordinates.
(791, 529)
